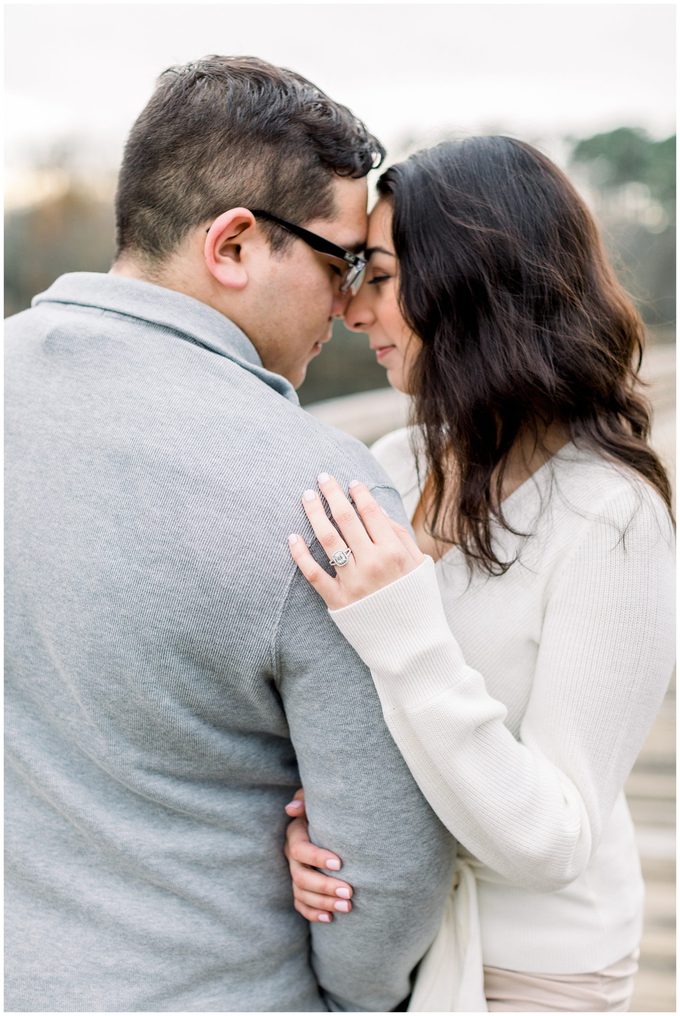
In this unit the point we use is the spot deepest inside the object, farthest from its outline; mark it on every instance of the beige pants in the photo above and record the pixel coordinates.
(608, 990)
(452, 976)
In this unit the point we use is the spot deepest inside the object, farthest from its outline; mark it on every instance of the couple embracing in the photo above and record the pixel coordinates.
(439, 659)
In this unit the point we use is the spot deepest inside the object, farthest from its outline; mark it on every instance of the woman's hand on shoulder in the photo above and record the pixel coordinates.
(317, 896)
(365, 546)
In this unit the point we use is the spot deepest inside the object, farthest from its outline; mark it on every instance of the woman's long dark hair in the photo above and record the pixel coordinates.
(504, 277)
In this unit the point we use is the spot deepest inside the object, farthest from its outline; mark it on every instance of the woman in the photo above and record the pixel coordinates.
(522, 647)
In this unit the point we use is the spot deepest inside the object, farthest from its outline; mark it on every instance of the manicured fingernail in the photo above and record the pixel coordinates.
(354, 483)
(309, 495)
(342, 907)
(323, 477)
(326, 918)
(333, 864)
(293, 538)
(346, 894)
(294, 804)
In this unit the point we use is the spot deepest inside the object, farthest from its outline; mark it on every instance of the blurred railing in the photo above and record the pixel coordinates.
(367, 415)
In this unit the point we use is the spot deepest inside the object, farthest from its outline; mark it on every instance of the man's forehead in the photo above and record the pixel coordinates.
(350, 222)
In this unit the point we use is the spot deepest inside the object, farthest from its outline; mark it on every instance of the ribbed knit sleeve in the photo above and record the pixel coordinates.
(532, 808)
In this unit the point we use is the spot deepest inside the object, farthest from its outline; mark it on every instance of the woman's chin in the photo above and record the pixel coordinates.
(395, 377)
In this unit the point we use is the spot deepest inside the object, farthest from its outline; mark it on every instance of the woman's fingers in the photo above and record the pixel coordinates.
(381, 550)
(309, 880)
(299, 848)
(315, 901)
(325, 585)
(328, 900)
(348, 522)
(325, 531)
(317, 896)
(376, 521)
(296, 807)
(409, 544)
(309, 914)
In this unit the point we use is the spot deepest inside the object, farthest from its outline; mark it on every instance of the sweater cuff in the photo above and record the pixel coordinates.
(402, 634)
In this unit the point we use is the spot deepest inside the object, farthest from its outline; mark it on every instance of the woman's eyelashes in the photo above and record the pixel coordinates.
(376, 279)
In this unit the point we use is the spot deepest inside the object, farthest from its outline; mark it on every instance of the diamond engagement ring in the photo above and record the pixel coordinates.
(340, 558)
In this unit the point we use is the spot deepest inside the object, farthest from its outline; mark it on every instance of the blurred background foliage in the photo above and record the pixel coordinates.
(64, 223)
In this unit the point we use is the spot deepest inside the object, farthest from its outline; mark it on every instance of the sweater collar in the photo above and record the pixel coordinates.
(187, 317)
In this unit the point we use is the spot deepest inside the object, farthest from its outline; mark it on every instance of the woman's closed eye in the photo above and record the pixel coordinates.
(376, 279)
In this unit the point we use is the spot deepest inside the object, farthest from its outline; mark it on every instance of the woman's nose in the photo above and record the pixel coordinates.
(357, 314)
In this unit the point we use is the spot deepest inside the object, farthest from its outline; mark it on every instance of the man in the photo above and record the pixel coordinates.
(171, 676)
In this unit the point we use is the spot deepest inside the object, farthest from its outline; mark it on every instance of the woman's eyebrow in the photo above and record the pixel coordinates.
(370, 251)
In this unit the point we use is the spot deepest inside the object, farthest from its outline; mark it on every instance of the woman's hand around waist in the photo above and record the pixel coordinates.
(317, 896)
(367, 549)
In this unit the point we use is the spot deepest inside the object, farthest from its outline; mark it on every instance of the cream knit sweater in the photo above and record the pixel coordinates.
(520, 702)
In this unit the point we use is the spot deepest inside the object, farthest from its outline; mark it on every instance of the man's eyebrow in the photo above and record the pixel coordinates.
(370, 251)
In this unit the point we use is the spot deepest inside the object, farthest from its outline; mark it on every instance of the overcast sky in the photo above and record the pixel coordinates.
(544, 70)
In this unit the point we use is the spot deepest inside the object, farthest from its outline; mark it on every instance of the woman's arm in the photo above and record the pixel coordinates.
(531, 809)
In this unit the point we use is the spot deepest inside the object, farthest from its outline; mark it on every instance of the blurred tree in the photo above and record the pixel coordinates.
(629, 154)
(631, 179)
(71, 230)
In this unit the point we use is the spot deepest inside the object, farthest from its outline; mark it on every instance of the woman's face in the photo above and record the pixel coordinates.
(375, 308)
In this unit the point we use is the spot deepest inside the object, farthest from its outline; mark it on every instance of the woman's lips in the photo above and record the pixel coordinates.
(382, 351)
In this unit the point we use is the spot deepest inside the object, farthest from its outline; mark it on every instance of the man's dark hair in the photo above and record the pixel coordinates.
(228, 131)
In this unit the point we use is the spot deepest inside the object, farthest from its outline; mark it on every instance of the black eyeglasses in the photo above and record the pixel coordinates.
(354, 262)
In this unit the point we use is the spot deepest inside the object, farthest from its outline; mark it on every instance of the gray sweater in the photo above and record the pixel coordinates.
(171, 679)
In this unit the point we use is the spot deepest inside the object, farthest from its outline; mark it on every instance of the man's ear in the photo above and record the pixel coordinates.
(222, 249)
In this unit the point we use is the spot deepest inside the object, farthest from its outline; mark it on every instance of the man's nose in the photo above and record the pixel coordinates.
(340, 302)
